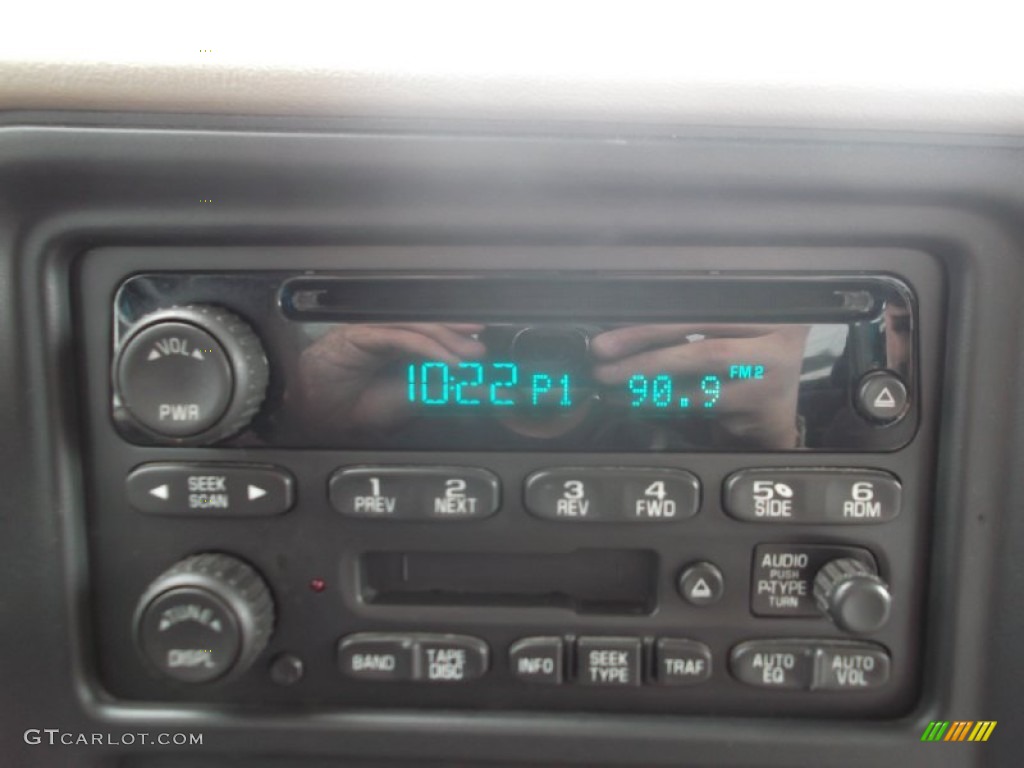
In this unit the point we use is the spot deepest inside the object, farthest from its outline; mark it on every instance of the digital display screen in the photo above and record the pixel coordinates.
(562, 381)
(558, 361)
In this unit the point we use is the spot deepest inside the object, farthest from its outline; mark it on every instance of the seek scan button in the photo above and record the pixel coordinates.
(205, 490)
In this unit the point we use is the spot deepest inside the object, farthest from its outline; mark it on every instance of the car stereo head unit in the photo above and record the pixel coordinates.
(330, 478)
(517, 362)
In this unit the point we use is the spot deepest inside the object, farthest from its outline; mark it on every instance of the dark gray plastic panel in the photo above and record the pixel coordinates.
(66, 189)
(313, 541)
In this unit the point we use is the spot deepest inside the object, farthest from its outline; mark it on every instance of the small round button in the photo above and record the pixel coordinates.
(286, 669)
(701, 583)
(175, 379)
(882, 397)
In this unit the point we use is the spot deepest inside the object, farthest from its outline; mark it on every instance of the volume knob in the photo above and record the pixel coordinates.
(190, 375)
(205, 618)
(853, 595)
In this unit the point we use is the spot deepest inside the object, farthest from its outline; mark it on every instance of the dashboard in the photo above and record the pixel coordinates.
(397, 441)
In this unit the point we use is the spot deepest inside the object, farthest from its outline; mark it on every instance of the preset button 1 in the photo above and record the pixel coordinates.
(613, 494)
(414, 493)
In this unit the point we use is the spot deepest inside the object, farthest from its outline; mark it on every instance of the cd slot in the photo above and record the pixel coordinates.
(556, 296)
(586, 581)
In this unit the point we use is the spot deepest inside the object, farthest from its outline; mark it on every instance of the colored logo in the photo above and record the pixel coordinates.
(958, 730)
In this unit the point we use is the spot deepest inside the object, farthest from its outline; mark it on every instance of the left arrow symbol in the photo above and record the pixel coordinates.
(161, 492)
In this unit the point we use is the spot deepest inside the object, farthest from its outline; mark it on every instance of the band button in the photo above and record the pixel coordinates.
(376, 656)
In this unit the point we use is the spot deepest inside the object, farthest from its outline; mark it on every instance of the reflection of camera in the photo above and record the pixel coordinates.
(565, 347)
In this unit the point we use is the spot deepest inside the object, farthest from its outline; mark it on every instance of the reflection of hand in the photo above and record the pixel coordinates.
(348, 377)
(760, 412)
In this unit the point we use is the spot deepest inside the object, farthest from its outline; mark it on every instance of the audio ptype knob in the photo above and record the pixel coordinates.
(852, 595)
(191, 375)
(207, 617)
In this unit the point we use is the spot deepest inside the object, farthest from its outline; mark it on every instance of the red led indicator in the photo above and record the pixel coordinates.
(317, 585)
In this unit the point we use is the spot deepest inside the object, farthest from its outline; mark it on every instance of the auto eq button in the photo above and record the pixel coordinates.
(774, 663)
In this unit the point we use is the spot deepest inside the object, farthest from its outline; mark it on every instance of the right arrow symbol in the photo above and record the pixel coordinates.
(885, 399)
(256, 492)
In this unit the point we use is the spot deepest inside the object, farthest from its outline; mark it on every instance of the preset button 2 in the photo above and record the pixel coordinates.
(414, 493)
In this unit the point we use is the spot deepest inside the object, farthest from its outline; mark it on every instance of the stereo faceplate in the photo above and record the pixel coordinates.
(517, 608)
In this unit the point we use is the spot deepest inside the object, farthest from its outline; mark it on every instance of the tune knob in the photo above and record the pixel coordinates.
(852, 595)
(207, 617)
(190, 375)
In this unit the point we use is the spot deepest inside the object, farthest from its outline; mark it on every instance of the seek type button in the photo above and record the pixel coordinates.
(414, 493)
(842, 496)
(612, 494)
(608, 661)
